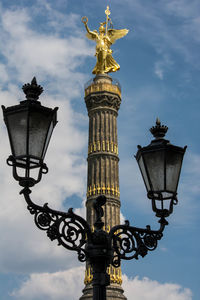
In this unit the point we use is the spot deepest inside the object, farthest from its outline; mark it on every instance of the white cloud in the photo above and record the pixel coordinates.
(162, 66)
(67, 285)
(159, 70)
(27, 52)
(122, 219)
(30, 52)
(147, 289)
(3, 74)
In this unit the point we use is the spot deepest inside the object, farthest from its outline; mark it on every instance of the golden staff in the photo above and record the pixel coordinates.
(107, 12)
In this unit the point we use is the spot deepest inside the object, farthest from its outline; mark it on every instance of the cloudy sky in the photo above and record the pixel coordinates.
(160, 77)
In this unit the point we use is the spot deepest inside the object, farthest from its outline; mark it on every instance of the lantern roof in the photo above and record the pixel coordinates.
(159, 130)
(32, 90)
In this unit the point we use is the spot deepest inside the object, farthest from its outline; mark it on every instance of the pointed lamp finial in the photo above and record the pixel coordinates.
(158, 121)
(159, 130)
(34, 81)
(32, 90)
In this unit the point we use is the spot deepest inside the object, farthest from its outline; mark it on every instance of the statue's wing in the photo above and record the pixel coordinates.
(92, 35)
(115, 34)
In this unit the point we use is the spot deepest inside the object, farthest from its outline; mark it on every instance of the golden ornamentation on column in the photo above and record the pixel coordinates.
(115, 275)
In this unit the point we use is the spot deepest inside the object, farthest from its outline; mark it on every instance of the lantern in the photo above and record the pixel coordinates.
(29, 126)
(160, 165)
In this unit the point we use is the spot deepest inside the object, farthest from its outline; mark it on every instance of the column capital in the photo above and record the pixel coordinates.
(103, 92)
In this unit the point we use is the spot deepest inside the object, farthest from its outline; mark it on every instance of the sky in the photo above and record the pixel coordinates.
(160, 77)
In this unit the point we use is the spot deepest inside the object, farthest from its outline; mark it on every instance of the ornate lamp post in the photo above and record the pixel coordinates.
(30, 126)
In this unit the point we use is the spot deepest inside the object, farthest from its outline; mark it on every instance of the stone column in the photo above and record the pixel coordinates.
(103, 99)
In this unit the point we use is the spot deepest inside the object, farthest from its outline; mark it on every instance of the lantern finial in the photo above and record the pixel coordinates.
(33, 90)
(159, 130)
(157, 121)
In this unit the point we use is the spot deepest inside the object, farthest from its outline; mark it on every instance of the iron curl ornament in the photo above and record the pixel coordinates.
(74, 233)
(70, 230)
(130, 242)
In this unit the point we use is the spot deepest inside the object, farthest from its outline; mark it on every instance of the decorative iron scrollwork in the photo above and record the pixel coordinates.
(70, 230)
(73, 232)
(130, 242)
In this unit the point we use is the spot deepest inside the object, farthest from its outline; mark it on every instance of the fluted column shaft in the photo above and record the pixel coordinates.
(103, 99)
(103, 171)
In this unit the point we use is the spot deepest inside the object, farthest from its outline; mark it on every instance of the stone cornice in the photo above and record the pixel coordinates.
(103, 99)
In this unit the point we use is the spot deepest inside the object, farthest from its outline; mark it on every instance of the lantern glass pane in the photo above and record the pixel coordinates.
(38, 129)
(48, 138)
(173, 168)
(17, 124)
(155, 162)
(144, 174)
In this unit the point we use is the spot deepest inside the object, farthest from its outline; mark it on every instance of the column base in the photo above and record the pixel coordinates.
(113, 292)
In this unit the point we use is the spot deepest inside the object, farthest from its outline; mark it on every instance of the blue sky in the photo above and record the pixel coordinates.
(160, 77)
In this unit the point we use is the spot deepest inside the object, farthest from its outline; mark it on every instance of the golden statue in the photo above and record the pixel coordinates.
(104, 39)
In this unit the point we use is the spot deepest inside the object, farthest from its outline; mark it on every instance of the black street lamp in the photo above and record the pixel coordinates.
(160, 165)
(30, 126)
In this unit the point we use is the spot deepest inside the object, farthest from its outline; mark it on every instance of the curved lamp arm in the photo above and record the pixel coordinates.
(130, 242)
(70, 230)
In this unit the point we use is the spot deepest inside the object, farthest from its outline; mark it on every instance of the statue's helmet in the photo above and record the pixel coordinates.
(102, 28)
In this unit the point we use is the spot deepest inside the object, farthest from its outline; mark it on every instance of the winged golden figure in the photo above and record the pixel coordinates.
(104, 39)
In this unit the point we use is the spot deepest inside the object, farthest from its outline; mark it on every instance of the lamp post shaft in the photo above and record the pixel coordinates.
(100, 281)
(100, 252)
(99, 292)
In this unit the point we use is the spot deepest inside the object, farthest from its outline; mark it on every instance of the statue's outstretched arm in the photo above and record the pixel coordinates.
(87, 28)
(85, 21)
(92, 35)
